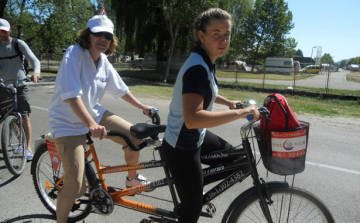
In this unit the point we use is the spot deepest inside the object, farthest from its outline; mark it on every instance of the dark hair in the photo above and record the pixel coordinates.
(85, 44)
(204, 19)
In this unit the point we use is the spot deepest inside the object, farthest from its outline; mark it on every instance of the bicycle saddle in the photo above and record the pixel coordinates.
(143, 130)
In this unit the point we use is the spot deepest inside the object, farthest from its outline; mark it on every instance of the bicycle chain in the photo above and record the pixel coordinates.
(150, 196)
(162, 199)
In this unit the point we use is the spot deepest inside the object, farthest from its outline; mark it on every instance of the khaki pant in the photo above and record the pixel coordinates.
(71, 151)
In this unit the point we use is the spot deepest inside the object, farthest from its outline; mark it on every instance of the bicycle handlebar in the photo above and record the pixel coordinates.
(155, 118)
(262, 110)
(9, 86)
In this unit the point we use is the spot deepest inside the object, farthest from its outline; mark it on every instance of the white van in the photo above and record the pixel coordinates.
(280, 65)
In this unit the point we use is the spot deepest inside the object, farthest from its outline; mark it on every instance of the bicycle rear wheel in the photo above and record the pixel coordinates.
(14, 151)
(289, 205)
(45, 179)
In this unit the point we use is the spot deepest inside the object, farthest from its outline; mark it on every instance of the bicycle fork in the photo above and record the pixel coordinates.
(260, 186)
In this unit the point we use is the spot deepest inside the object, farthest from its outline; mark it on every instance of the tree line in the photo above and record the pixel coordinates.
(164, 27)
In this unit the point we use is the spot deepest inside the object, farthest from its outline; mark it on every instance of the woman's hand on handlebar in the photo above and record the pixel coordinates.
(234, 104)
(97, 131)
(254, 113)
(146, 109)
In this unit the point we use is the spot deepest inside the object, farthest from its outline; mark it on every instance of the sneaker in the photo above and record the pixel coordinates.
(30, 155)
(18, 150)
(136, 181)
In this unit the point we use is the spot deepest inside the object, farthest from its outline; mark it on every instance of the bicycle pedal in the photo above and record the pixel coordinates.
(75, 206)
(146, 221)
(111, 189)
(211, 210)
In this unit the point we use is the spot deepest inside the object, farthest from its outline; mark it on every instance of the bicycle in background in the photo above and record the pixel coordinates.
(13, 138)
(263, 202)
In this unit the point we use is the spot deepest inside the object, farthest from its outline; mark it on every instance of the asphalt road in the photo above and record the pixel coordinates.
(332, 172)
(337, 80)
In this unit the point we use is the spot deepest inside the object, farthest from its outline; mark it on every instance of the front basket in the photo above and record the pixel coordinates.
(283, 151)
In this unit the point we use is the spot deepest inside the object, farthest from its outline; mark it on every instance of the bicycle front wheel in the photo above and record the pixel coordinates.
(14, 150)
(45, 180)
(288, 205)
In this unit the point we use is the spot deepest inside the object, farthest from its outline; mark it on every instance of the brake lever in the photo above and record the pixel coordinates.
(265, 112)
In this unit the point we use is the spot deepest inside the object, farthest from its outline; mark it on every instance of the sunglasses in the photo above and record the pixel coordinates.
(108, 36)
(3, 31)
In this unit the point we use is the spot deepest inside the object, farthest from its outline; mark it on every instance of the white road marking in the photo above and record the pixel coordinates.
(333, 167)
(40, 108)
(329, 167)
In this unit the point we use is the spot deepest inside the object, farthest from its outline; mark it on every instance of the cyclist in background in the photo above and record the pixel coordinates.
(194, 94)
(83, 78)
(12, 72)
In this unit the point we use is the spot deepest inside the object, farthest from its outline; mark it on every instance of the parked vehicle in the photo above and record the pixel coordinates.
(126, 59)
(137, 62)
(281, 65)
(353, 67)
(312, 69)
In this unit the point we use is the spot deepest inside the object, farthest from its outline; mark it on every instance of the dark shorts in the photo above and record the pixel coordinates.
(23, 101)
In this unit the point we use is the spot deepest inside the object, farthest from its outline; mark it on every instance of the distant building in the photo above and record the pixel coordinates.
(304, 61)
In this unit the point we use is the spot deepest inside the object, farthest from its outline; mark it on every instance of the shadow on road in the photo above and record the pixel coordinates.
(5, 176)
(34, 218)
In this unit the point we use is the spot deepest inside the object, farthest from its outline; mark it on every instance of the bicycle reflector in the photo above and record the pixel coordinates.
(48, 185)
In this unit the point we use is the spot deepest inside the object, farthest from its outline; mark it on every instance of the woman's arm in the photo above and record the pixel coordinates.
(130, 98)
(195, 117)
(78, 107)
(223, 101)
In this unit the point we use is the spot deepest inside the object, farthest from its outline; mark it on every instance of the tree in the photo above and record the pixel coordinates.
(156, 25)
(354, 60)
(2, 7)
(238, 10)
(51, 25)
(289, 47)
(299, 53)
(265, 30)
(343, 63)
(327, 58)
(177, 13)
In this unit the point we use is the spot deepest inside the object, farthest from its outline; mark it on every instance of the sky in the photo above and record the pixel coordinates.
(331, 24)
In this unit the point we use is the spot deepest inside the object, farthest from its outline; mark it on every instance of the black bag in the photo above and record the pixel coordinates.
(6, 101)
(25, 63)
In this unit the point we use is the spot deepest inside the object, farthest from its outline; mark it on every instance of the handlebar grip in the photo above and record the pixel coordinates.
(155, 118)
(249, 117)
(239, 106)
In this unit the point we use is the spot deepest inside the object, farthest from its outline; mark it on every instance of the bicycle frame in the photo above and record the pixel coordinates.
(242, 168)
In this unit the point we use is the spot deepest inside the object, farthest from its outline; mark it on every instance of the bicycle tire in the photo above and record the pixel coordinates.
(305, 207)
(10, 141)
(42, 174)
(33, 218)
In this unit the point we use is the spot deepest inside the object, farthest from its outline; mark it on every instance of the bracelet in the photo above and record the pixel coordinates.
(139, 105)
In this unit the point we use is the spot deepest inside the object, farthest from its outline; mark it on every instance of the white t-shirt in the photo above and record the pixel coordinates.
(78, 77)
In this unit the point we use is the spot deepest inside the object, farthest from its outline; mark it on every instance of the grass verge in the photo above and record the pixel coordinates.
(353, 76)
(301, 105)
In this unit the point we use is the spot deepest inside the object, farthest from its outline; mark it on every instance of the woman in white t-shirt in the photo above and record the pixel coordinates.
(84, 76)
